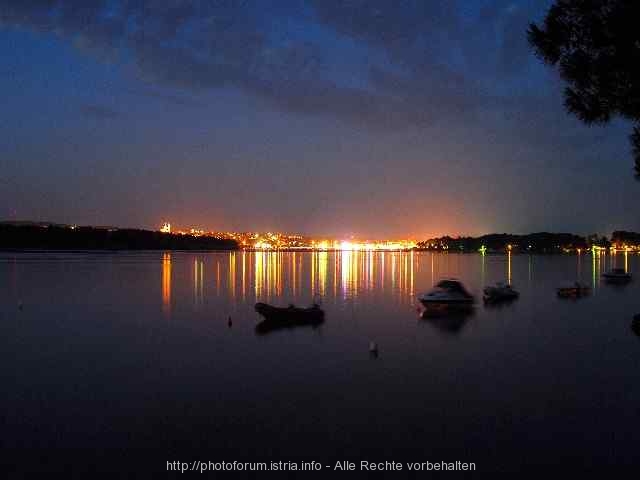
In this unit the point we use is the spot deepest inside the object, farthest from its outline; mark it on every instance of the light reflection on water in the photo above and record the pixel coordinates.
(166, 283)
(273, 276)
(299, 276)
(141, 342)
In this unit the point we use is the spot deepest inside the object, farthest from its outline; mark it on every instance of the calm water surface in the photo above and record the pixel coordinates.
(133, 352)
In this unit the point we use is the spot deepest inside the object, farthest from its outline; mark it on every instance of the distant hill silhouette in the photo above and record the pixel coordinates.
(541, 242)
(53, 237)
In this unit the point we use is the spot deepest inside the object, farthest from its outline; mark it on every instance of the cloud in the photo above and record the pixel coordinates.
(401, 26)
(411, 68)
(99, 112)
(181, 99)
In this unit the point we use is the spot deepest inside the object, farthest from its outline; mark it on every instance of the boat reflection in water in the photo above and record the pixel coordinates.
(447, 321)
(617, 276)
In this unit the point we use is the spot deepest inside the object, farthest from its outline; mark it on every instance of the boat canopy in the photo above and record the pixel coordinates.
(451, 285)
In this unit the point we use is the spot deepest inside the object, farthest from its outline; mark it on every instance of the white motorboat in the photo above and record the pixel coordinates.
(499, 292)
(447, 294)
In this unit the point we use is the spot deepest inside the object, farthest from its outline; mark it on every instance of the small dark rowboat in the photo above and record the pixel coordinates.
(276, 318)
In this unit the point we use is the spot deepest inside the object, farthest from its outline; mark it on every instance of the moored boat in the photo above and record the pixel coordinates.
(500, 292)
(447, 295)
(287, 317)
(574, 290)
(617, 275)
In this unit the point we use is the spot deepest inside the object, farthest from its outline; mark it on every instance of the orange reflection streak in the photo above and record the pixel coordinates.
(355, 258)
(268, 274)
(232, 275)
(293, 273)
(393, 271)
(431, 268)
(273, 273)
(345, 270)
(406, 272)
(323, 260)
(279, 259)
(335, 274)
(299, 276)
(382, 262)
(509, 268)
(244, 274)
(201, 280)
(259, 274)
(412, 262)
(370, 272)
(198, 281)
(314, 260)
(195, 281)
(626, 260)
(166, 283)
(268, 278)
(217, 277)
(613, 257)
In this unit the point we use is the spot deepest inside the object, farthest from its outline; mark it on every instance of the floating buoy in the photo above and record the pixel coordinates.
(373, 349)
(20, 305)
(229, 322)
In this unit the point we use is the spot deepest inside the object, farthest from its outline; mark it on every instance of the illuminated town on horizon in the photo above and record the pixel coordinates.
(280, 241)
(290, 241)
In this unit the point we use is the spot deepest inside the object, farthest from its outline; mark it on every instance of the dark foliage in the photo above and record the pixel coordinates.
(89, 238)
(595, 44)
(625, 238)
(542, 242)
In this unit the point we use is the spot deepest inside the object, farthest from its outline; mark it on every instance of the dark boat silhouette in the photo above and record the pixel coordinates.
(635, 324)
(499, 293)
(276, 318)
(617, 276)
(574, 290)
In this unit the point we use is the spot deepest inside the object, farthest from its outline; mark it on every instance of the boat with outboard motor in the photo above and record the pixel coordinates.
(500, 292)
(574, 290)
(287, 317)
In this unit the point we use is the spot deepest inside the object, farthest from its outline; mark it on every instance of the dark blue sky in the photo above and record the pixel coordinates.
(346, 117)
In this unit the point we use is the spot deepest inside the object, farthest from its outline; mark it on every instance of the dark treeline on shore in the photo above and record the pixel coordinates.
(628, 238)
(92, 238)
(542, 242)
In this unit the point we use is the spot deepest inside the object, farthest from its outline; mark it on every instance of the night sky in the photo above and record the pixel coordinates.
(340, 117)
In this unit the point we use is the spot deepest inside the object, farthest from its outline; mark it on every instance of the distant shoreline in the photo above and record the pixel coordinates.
(107, 251)
(58, 238)
(111, 250)
(31, 236)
